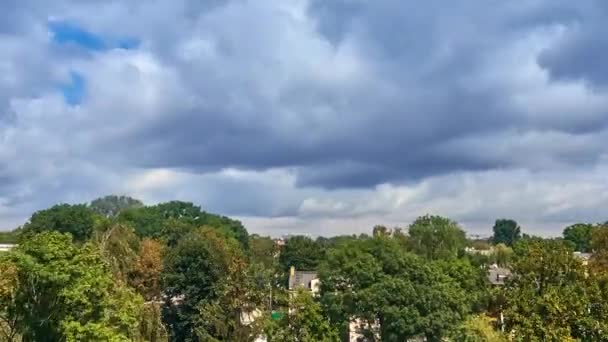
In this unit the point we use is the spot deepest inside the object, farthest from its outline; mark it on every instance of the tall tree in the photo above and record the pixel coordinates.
(301, 252)
(502, 255)
(66, 292)
(263, 250)
(392, 293)
(78, 220)
(118, 245)
(506, 231)
(478, 328)
(159, 221)
(548, 297)
(579, 235)
(112, 205)
(599, 248)
(205, 276)
(436, 237)
(145, 276)
(304, 322)
(8, 289)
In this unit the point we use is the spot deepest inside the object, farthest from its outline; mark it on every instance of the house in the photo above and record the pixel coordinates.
(498, 275)
(5, 247)
(486, 252)
(303, 279)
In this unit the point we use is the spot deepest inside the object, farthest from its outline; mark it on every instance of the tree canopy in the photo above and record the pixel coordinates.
(436, 237)
(580, 236)
(118, 270)
(66, 292)
(506, 231)
(78, 220)
(112, 205)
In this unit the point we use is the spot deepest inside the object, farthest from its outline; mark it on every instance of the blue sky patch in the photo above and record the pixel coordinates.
(65, 32)
(74, 91)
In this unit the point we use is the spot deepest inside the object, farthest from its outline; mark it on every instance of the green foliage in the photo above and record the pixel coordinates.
(11, 237)
(151, 326)
(118, 245)
(375, 280)
(551, 298)
(8, 291)
(112, 205)
(66, 292)
(304, 322)
(472, 279)
(478, 328)
(502, 255)
(263, 250)
(506, 231)
(171, 219)
(301, 252)
(78, 220)
(208, 273)
(436, 237)
(599, 246)
(147, 221)
(580, 236)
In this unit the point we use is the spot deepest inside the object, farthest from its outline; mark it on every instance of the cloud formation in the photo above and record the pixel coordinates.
(318, 116)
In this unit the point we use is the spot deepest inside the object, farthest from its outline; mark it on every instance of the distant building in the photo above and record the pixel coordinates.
(303, 279)
(486, 252)
(5, 247)
(498, 275)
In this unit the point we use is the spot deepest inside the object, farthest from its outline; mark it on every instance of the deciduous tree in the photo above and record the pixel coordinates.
(506, 231)
(78, 220)
(66, 292)
(436, 237)
(580, 236)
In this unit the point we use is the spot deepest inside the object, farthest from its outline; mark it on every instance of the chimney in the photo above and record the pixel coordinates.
(292, 271)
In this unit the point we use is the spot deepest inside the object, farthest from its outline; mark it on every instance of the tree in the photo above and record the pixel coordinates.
(145, 276)
(112, 205)
(301, 252)
(472, 279)
(11, 237)
(205, 276)
(118, 245)
(159, 221)
(502, 255)
(8, 290)
(304, 322)
(147, 221)
(66, 292)
(599, 248)
(506, 231)
(263, 250)
(547, 298)
(478, 328)
(580, 236)
(436, 237)
(78, 220)
(391, 292)
(151, 326)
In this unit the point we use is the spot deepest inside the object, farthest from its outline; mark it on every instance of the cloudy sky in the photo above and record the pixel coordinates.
(309, 116)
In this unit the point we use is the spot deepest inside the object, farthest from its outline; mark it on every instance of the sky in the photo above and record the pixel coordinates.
(318, 117)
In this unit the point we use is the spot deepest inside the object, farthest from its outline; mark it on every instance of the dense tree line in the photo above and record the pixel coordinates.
(118, 270)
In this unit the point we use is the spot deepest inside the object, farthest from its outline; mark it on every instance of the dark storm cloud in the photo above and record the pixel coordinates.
(341, 95)
(424, 89)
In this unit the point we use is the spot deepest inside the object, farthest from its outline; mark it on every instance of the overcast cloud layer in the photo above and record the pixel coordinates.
(309, 116)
